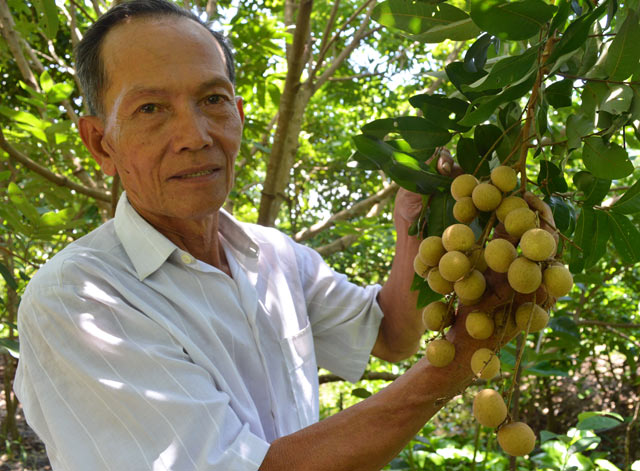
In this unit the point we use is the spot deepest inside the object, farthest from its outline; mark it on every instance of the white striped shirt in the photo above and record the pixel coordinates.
(136, 356)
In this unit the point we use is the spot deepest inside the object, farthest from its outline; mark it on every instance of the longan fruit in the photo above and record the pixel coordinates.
(471, 287)
(489, 408)
(463, 185)
(431, 249)
(419, 266)
(539, 317)
(479, 325)
(464, 210)
(440, 352)
(499, 253)
(558, 280)
(458, 237)
(537, 244)
(486, 197)
(454, 265)
(485, 364)
(436, 316)
(519, 221)
(504, 178)
(437, 283)
(524, 275)
(509, 204)
(477, 259)
(516, 439)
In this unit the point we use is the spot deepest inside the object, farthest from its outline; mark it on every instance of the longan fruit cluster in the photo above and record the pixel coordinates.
(454, 264)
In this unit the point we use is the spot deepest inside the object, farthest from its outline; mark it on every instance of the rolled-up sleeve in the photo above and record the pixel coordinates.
(107, 388)
(345, 317)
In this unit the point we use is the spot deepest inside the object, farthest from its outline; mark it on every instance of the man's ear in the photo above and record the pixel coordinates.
(239, 105)
(92, 133)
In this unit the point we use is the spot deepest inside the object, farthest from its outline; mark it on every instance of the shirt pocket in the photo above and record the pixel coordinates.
(301, 363)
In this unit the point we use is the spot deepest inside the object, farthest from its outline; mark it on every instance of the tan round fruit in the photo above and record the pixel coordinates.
(537, 244)
(471, 287)
(436, 316)
(420, 267)
(464, 210)
(437, 283)
(509, 204)
(454, 265)
(431, 249)
(489, 408)
(558, 280)
(499, 253)
(504, 178)
(463, 185)
(440, 352)
(479, 325)
(458, 237)
(486, 197)
(524, 275)
(477, 259)
(519, 221)
(516, 439)
(485, 364)
(539, 317)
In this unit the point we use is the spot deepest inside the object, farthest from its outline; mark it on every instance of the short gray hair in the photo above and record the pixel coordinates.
(89, 65)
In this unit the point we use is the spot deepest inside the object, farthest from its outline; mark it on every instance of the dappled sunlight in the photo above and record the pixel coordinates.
(88, 325)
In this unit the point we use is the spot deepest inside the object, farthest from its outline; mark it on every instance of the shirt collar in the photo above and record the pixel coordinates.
(148, 249)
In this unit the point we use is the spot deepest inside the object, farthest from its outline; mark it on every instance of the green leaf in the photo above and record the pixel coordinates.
(426, 295)
(581, 238)
(59, 92)
(49, 10)
(459, 75)
(558, 94)
(400, 167)
(426, 22)
(360, 392)
(596, 421)
(468, 157)
(576, 33)
(487, 138)
(56, 218)
(438, 109)
(618, 100)
(8, 277)
(578, 126)
(599, 239)
(511, 20)
(418, 132)
(551, 178)
(440, 214)
(562, 212)
(629, 203)
(486, 106)
(626, 238)
(11, 346)
(476, 56)
(606, 161)
(597, 191)
(21, 202)
(624, 54)
(506, 71)
(561, 16)
(46, 82)
(23, 117)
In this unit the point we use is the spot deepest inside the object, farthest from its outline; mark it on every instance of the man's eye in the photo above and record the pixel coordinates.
(214, 99)
(148, 108)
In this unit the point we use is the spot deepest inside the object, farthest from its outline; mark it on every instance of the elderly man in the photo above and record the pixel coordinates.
(175, 337)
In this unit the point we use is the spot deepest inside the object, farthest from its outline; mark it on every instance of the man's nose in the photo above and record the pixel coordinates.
(191, 129)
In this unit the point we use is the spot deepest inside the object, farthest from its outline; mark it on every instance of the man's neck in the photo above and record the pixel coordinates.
(198, 237)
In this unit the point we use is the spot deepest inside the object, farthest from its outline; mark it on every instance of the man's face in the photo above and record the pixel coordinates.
(172, 124)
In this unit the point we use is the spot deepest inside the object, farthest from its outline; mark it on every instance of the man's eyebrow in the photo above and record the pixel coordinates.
(216, 82)
(143, 90)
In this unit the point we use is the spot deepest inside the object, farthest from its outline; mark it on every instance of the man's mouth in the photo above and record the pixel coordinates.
(198, 174)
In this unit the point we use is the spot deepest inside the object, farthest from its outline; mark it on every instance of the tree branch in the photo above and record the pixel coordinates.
(357, 209)
(618, 325)
(49, 175)
(368, 375)
(7, 28)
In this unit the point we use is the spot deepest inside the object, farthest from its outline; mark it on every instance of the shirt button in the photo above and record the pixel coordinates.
(186, 258)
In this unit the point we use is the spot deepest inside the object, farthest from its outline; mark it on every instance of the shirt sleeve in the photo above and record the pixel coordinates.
(107, 388)
(345, 318)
